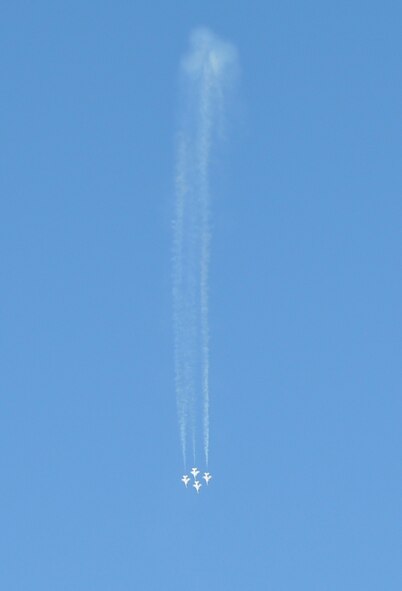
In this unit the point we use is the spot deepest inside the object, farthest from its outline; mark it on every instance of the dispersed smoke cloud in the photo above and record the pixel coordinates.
(207, 72)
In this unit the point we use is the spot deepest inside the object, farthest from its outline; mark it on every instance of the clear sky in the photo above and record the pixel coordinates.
(305, 301)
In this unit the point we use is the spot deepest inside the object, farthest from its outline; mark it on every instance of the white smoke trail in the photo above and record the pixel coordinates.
(184, 297)
(181, 190)
(206, 71)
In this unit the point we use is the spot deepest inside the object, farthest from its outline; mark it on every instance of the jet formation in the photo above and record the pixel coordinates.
(196, 484)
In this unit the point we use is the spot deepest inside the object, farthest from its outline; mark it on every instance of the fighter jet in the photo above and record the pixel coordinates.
(186, 480)
(194, 472)
(207, 477)
(197, 485)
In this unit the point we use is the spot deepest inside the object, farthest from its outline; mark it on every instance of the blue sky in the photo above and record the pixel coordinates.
(305, 292)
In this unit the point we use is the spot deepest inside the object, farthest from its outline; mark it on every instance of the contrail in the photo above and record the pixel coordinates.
(178, 317)
(206, 72)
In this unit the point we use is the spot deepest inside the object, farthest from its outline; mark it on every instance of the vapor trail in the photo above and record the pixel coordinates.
(178, 318)
(206, 72)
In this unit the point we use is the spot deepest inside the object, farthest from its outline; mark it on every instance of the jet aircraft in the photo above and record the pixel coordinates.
(207, 477)
(197, 485)
(186, 480)
(194, 472)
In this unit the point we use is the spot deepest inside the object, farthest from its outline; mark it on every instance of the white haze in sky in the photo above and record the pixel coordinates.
(207, 72)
